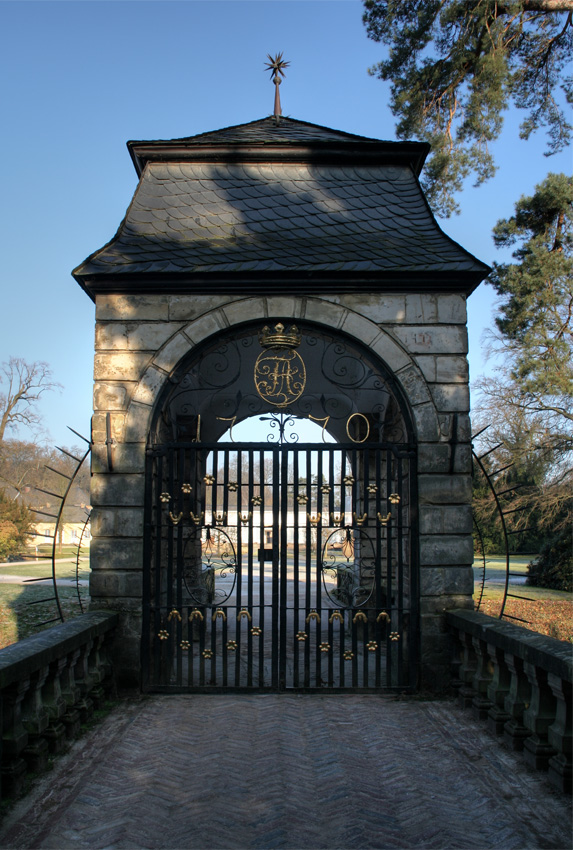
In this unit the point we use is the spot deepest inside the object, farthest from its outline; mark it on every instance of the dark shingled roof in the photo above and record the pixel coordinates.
(273, 130)
(224, 209)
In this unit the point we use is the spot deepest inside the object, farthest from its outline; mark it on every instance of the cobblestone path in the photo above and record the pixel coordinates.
(266, 771)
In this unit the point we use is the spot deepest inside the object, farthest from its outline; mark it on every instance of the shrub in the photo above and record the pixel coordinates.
(15, 526)
(553, 567)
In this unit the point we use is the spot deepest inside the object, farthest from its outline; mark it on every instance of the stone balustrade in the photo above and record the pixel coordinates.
(519, 682)
(50, 683)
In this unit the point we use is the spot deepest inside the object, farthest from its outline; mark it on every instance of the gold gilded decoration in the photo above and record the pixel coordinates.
(348, 547)
(219, 613)
(326, 488)
(324, 421)
(277, 338)
(186, 488)
(244, 613)
(394, 498)
(372, 489)
(336, 519)
(231, 645)
(163, 634)
(195, 615)
(349, 420)
(314, 519)
(245, 518)
(372, 646)
(383, 617)
(220, 518)
(185, 644)
(302, 499)
(232, 420)
(207, 653)
(165, 497)
(359, 520)
(280, 373)
(209, 480)
(232, 486)
(348, 655)
(336, 615)
(174, 615)
(324, 647)
(256, 631)
(301, 636)
(394, 636)
(384, 520)
(197, 518)
(360, 615)
(349, 480)
(176, 519)
(313, 616)
(256, 501)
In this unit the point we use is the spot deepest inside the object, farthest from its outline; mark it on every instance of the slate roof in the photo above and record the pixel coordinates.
(270, 129)
(283, 138)
(204, 218)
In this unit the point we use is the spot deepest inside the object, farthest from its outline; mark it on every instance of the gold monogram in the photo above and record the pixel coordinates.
(280, 373)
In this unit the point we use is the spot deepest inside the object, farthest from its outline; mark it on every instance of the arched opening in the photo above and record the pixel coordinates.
(281, 520)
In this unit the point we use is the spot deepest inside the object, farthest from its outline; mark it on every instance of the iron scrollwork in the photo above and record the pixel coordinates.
(300, 372)
(348, 580)
(209, 579)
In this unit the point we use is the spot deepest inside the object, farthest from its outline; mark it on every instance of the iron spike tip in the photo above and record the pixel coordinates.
(81, 436)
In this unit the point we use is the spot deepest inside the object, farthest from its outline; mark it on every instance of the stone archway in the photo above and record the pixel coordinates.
(331, 529)
(136, 360)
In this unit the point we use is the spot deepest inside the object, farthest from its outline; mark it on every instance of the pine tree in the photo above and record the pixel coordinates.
(455, 66)
(536, 312)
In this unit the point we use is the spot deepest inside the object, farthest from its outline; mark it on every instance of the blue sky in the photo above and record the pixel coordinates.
(80, 78)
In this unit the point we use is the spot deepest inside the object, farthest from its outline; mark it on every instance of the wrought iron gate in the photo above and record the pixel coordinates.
(276, 567)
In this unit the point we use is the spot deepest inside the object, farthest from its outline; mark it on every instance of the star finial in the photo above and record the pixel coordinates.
(276, 66)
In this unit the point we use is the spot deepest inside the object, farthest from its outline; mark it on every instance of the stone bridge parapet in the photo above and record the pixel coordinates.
(50, 683)
(520, 683)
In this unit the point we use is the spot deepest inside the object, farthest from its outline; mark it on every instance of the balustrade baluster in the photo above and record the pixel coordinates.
(560, 734)
(516, 701)
(468, 668)
(538, 717)
(497, 690)
(481, 702)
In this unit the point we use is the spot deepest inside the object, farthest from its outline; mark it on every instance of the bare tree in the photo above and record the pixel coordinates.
(24, 383)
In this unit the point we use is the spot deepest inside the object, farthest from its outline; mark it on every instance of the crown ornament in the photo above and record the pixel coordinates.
(279, 338)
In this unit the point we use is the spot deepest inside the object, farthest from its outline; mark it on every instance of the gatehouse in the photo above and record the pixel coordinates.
(281, 459)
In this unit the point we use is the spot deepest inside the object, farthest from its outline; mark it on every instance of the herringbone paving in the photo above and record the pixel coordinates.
(289, 771)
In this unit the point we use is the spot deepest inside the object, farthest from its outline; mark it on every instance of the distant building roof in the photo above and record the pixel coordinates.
(239, 208)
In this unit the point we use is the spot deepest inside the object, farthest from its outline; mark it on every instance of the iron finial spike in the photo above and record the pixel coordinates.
(276, 65)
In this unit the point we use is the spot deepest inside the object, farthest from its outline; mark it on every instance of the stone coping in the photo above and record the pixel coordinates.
(24, 657)
(552, 655)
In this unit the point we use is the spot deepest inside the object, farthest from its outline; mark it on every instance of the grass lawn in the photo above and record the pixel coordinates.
(43, 569)
(548, 612)
(24, 607)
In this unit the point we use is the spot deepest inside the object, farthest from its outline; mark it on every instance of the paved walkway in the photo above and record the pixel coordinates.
(260, 772)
